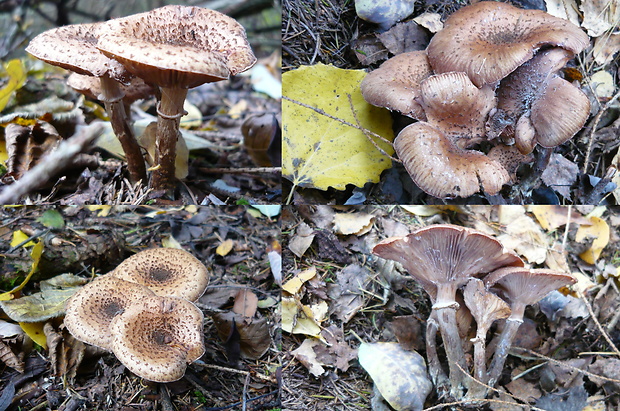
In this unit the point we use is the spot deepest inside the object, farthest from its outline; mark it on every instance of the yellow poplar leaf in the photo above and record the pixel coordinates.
(18, 237)
(104, 210)
(599, 230)
(293, 285)
(321, 152)
(16, 73)
(35, 253)
(35, 331)
(224, 248)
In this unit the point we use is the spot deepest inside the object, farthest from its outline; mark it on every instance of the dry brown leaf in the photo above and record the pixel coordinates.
(249, 336)
(302, 240)
(605, 48)
(551, 217)
(307, 357)
(246, 303)
(8, 357)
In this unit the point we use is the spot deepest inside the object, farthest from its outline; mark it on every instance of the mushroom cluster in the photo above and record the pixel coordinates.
(469, 274)
(171, 49)
(491, 75)
(142, 311)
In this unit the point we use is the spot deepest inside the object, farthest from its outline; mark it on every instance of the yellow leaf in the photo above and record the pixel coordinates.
(171, 242)
(224, 248)
(356, 223)
(297, 319)
(18, 237)
(35, 331)
(3, 153)
(320, 152)
(599, 230)
(293, 285)
(104, 210)
(16, 72)
(35, 253)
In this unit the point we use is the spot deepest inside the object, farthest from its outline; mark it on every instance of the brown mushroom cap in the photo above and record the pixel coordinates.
(522, 286)
(446, 253)
(158, 337)
(90, 86)
(73, 48)
(166, 271)
(488, 40)
(510, 158)
(396, 83)
(434, 152)
(178, 46)
(537, 106)
(485, 306)
(90, 311)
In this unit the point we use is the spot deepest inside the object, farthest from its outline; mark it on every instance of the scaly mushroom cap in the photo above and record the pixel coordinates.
(434, 152)
(396, 83)
(90, 311)
(510, 158)
(537, 106)
(522, 286)
(446, 253)
(73, 48)
(488, 40)
(178, 46)
(158, 337)
(166, 271)
(90, 86)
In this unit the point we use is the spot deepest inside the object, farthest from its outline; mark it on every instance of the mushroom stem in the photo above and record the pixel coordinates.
(169, 115)
(112, 97)
(503, 346)
(477, 390)
(445, 307)
(438, 376)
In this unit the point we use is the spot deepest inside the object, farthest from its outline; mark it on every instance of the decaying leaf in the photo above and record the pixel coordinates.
(522, 234)
(320, 152)
(66, 353)
(399, 375)
(16, 74)
(248, 336)
(35, 253)
(301, 240)
(599, 231)
(298, 318)
(307, 357)
(224, 248)
(599, 16)
(246, 303)
(353, 223)
(27, 144)
(46, 304)
(560, 175)
(293, 285)
(404, 37)
(551, 217)
(605, 48)
(346, 295)
(8, 357)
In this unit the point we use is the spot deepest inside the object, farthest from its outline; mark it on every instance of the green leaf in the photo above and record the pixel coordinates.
(51, 219)
(49, 303)
(321, 152)
(16, 72)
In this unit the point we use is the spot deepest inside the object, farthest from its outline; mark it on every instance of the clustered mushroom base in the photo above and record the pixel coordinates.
(469, 274)
(142, 312)
(491, 75)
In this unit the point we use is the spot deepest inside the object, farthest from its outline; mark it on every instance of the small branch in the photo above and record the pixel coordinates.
(250, 170)
(51, 164)
(597, 119)
(598, 324)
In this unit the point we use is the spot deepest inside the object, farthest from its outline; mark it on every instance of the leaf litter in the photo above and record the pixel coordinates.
(239, 307)
(552, 358)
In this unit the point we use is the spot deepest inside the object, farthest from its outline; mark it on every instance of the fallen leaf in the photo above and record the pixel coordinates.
(35, 332)
(565, 9)
(224, 248)
(8, 357)
(307, 357)
(246, 303)
(599, 16)
(301, 240)
(605, 47)
(399, 375)
(560, 174)
(35, 253)
(347, 293)
(599, 231)
(552, 217)
(8, 329)
(430, 21)
(335, 352)
(320, 152)
(16, 74)
(353, 223)
(293, 285)
(404, 37)
(250, 335)
(522, 234)
(296, 321)
(603, 84)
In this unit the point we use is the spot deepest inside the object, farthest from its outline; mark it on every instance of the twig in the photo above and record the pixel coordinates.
(51, 164)
(366, 134)
(597, 118)
(598, 324)
(242, 170)
(233, 370)
(323, 113)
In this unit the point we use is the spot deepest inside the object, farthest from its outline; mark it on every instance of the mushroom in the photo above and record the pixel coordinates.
(443, 258)
(166, 271)
(90, 311)
(396, 83)
(535, 105)
(520, 287)
(486, 308)
(158, 336)
(435, 152)
(176, 48)
(488, 40)
(73, 48)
